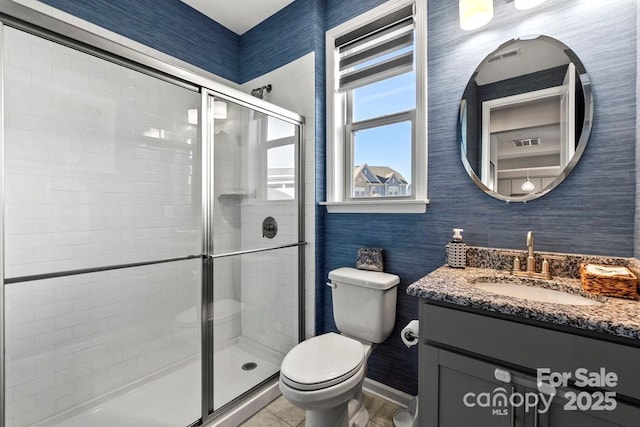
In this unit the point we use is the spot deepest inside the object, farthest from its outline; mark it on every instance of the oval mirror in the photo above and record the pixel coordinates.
(525, 118)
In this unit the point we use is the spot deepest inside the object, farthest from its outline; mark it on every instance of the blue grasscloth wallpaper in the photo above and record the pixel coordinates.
(339, 11)
(278, 40)
(592, 211)
(169, 26)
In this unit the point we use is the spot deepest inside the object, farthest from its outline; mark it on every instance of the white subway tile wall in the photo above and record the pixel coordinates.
(102, 167)
(71, 340)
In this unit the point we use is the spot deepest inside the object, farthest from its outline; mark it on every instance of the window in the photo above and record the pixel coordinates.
(376, 148)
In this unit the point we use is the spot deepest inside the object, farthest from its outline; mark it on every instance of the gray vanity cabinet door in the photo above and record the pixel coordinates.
(458, 376)
(559, 416)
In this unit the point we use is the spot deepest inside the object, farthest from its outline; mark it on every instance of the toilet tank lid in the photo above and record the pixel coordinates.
(364, 278)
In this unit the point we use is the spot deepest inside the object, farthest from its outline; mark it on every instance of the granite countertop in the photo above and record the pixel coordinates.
(615, 316)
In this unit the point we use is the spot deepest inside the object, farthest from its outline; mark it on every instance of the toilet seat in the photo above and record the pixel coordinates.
(322, 361)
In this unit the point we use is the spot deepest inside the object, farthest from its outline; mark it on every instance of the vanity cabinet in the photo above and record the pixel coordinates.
(457, 376)
(558, 415)
(479, 370)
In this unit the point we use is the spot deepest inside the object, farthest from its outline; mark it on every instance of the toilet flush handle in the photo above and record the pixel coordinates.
(332, 285)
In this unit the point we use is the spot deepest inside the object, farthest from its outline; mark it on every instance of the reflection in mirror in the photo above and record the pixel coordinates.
(525, 117)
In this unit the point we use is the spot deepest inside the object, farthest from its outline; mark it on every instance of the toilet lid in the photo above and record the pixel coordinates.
(322, 361)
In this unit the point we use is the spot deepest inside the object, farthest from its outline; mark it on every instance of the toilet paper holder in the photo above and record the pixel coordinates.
(410, 335)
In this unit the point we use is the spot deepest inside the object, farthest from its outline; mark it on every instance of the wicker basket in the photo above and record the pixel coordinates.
(621, 286)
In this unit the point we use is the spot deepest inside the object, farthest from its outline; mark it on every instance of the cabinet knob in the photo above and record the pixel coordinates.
(547, 388)
(502, 375)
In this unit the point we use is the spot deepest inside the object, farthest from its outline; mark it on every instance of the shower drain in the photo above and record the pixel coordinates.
(249, 366)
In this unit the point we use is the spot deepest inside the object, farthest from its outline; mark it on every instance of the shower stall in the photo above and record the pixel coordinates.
(152, 236)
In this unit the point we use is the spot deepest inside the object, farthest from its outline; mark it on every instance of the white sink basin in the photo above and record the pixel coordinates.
(534, 293)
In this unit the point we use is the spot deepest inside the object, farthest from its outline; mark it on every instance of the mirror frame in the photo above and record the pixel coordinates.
(580, 147)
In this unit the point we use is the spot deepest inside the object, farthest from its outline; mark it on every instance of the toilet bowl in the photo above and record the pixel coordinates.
(324, 374)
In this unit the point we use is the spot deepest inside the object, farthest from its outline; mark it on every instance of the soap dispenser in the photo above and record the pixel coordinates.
(456, 250)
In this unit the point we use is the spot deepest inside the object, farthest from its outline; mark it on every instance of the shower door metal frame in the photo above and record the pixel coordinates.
(2, 200)
(109, 46)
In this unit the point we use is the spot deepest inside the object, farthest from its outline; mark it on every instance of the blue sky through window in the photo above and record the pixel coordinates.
(388, 145)
(385, 145)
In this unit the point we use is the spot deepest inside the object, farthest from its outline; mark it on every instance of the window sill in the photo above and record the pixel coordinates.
(377, 206)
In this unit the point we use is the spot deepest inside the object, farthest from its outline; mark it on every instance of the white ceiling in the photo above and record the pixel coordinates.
(238, 15)
(534, 55)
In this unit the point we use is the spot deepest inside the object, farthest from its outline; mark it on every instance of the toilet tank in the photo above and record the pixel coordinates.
(364, 303)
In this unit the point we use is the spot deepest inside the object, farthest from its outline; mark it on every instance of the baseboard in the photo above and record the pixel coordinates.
(390, 394)
(247, 409)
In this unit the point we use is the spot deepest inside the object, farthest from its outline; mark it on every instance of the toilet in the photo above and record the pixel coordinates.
(324, 374)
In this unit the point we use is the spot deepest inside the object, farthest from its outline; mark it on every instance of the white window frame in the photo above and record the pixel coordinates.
(338, 180)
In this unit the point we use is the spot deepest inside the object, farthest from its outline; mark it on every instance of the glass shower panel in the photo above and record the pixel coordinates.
(255, 271)
(112, 348)
(255, 163)
(102, 163)
(102, 170)
(255, 328)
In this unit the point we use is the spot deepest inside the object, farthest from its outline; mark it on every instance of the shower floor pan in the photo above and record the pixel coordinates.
(157, 404)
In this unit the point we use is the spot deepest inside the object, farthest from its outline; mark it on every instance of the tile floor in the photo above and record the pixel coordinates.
(280, 413)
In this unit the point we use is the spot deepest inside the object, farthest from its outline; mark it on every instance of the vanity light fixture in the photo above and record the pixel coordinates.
(475, 13)
(528, 186)
(527, 4)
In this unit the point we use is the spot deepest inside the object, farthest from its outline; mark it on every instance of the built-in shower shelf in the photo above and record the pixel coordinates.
(237, 195)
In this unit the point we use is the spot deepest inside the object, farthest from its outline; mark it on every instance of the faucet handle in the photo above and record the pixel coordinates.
(516, 264)
(545, 265)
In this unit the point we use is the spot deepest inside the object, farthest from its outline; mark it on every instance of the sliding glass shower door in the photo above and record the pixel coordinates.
(102, 241)
(152, 235)
(254, 242)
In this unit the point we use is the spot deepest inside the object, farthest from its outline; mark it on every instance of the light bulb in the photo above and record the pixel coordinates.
(528, 186)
